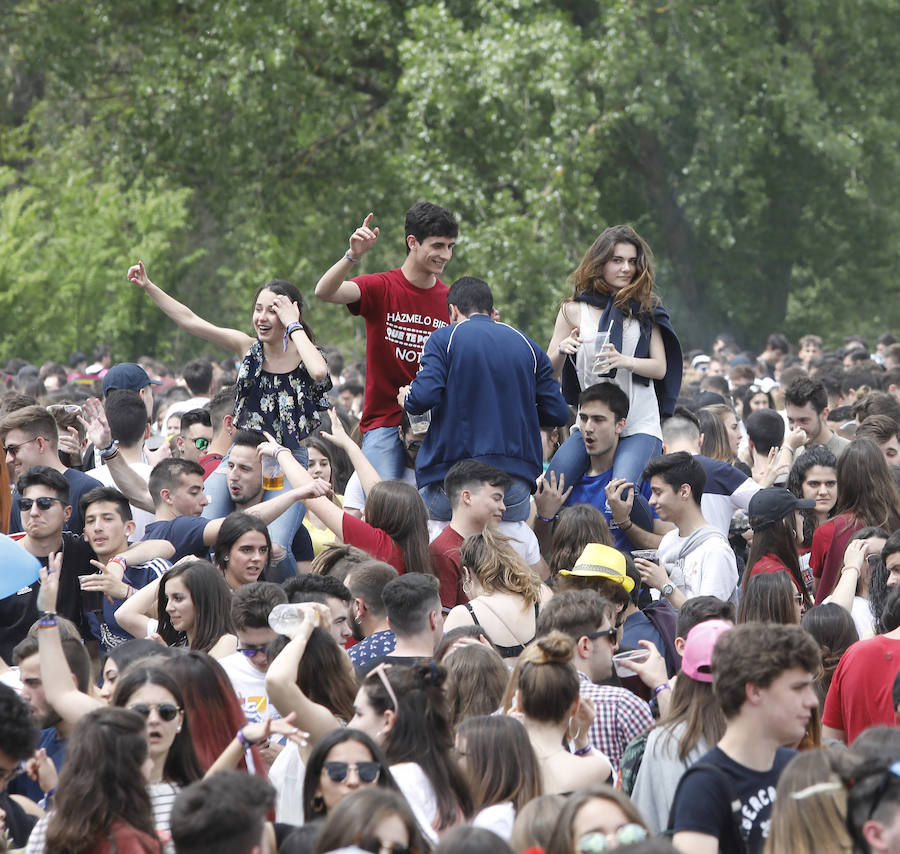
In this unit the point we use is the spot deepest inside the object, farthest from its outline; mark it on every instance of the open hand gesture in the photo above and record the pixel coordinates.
(551, 494)
(95, 424)
(363, 239)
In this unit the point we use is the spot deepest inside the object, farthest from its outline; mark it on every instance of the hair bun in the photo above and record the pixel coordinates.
(553, 648)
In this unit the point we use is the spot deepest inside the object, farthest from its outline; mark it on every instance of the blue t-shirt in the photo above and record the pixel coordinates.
(56, 749)
(703, 804)
(591, 490)
(372, 647)
(639, 627)
(183, 532)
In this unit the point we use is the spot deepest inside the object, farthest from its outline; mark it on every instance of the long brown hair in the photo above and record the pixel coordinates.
(577, 526)
(397, 509)
(589, 275)
(768, 598)
(694, 705)
(780, 540)
(102, 782)
(866, 491)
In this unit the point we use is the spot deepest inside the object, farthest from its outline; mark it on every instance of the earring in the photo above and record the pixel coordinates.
(225, 559)
(178, 729)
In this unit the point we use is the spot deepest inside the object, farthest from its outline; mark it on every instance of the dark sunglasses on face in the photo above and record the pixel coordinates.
(337, 771)
(375, 846)
(250, 651)
(167, 711)
(612, 635)
(45, 502)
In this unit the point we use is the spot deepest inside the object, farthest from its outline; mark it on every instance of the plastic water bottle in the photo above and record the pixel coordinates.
(285, 619)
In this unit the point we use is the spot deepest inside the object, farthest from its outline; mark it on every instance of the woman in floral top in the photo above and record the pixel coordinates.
(281, 384)
(280, 388)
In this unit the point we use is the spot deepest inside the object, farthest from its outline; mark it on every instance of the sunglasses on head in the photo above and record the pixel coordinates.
(45, 502)
(594, 842)
(337, 771)
(167, 711)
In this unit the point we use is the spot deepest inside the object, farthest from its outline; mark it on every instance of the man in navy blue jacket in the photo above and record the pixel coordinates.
(490, 389)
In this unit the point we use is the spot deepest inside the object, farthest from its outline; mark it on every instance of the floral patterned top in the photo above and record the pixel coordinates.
(285, 405)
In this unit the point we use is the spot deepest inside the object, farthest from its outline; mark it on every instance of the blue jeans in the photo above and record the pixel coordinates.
(517, 500)
(383, 448)
(281, 530)
(632, 455)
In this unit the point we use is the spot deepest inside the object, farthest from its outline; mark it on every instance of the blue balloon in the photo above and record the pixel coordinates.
(18, 568)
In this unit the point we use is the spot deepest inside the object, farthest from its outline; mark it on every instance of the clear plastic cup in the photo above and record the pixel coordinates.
(635, 655)
(272, 475)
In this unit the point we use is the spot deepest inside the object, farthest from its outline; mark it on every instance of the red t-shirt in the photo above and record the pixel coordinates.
(860, 695)
(444, 551)
(770, 563)
(827, 554)
(209, 463)
(372, 540)
(399, 318)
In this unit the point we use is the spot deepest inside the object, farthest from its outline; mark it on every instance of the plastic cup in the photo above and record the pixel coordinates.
(598, 363)
(635, 655)
(419, 424)
(273, 477)
(647, 554)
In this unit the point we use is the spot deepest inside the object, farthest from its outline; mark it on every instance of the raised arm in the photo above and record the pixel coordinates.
(281, 678)
(232, 339)
(60, 689)
(134, 614)
(255, 734)
(368, 476)
(289, 313)
(334, 286)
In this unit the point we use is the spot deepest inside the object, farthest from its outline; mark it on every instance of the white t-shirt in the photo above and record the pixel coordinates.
(709, 569)
(249, 684)
(419, 794)
(498, 818)
(286, 774)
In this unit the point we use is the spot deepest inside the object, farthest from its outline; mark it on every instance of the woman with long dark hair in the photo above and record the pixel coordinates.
(343, 761)
(576, 527)
(283, 377)
(101, 805)
(613, 291)
(243, 549)
(866, 496)
(192, 607)
(770, 597)
(834, 632)
(322, 466)
(693, 725)
(775, 543)
(814, 475)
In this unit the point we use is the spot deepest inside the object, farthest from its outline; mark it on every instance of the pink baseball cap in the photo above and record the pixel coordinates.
(696, 660)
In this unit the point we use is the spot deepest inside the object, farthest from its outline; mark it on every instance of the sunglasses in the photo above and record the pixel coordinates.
(367, 771)
(612, 635)
(200, 443)
(12, 450)
(376, 846)
(591, 843)
(167, 711)
(45, 502)
(250, 651)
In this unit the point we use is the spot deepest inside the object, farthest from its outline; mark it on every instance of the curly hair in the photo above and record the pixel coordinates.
(498, 567)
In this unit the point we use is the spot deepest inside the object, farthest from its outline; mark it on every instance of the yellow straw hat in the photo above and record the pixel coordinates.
(601, 561)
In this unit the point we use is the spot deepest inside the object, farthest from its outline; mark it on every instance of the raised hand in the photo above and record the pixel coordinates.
(571, 344)
(338, 435)
(137, 275)
(363, 239)
(551, 494)
(49, 591)
(95, 424)
(287, 311)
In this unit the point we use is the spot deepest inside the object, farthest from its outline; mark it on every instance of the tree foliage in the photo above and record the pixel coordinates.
(754, 145)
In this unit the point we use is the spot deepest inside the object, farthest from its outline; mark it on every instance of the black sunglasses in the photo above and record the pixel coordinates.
(612, 635)
(167, 711)
(45, 502)
(337, 771)
(375, 846)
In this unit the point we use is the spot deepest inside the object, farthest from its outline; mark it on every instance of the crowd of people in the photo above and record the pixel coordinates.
(464, 595)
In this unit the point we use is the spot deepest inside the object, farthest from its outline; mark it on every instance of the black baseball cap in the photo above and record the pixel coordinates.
(769, 505)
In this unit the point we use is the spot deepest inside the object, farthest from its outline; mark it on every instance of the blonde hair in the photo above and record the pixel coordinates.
(497, 566)
(810, 811)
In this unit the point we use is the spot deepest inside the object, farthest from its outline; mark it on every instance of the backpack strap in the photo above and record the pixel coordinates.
(735, 843)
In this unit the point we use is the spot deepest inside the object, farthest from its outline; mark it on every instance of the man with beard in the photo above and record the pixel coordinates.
(54, 730)
(368, 615)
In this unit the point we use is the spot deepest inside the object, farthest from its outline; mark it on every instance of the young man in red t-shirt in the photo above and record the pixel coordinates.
(401, 307)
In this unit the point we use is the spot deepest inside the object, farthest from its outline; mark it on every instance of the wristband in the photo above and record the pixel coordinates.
(245, 742)
(48, 621)
(110, 450)
(583, 751)
(548, 519)
(665, 686)
(624, 525)
(119, 560)
(291, 327)
(349, 257)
